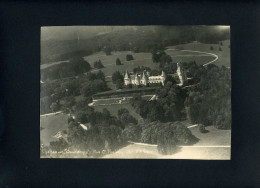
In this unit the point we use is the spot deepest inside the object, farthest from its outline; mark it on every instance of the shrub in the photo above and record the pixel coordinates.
(129, 57)
(118, 62)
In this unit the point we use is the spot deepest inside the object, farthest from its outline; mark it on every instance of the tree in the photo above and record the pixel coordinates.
(210, 102)
(118, 62)
(100, 75)
(125, 117)
(69, 102)
(82, 117)
(117, 76)
(78, 65)
(119, 84)
(98, 64)
(166, 135)
(155, 72)
(54, 107)
(170, 79)
(129, 57)
(108, 50)
(93, 87)
(132, 132)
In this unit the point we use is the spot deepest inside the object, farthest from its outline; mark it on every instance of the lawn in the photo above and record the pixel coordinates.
(214, 137)
(140, 59)
(208, 147)
(223, 56)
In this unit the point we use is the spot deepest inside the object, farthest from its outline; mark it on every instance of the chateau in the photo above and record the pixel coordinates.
(145, 78)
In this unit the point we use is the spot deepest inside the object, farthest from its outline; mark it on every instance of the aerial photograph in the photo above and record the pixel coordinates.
(135, 92)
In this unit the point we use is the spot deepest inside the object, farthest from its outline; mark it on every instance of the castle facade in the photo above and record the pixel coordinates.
(145, 78)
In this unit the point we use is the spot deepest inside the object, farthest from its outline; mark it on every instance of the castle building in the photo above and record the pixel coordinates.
(145, 78)
(181, 73)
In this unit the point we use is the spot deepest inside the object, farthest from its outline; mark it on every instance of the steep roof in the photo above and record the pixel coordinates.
(126, 75)
(163, 74)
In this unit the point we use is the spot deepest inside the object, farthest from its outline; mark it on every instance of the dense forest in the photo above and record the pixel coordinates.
(60, 94)
(75, 66)
(209, 102)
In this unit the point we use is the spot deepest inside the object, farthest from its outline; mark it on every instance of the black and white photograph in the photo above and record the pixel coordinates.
(135, 92)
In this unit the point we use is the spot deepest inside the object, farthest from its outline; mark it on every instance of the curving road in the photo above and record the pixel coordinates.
(206, 53)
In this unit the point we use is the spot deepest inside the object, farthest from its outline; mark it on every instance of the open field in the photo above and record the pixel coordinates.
(212, 145)
(111, 67)
(145, 59)
(108, 59)
(214, 137)
(223, 56)
(51, 125)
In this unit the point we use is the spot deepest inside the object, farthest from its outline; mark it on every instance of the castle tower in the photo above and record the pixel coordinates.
(181, 73)
(127, 78)
(163, 77)
(144, 80)
(137, 80)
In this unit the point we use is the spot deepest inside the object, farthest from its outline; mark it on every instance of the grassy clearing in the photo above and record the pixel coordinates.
(51, 125)
(223, 56)
(109, 69)
(111, 59)
(214, 137)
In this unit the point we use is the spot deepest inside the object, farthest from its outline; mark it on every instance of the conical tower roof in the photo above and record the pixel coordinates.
(163, 74)
(126, 75)
(143, 75)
